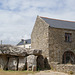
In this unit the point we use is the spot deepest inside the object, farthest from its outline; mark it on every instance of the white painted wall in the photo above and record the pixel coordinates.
(26, 46)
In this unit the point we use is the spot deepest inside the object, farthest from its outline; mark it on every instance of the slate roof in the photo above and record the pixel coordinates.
(28, 41)
(56, 23)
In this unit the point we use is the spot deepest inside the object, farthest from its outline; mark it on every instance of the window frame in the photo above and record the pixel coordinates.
(68, 37)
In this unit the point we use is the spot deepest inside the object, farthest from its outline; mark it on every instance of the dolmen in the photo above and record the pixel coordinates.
(17, 58)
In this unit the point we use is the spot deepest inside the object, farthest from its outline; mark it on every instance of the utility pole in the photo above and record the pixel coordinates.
(1, 42)
(24, 43)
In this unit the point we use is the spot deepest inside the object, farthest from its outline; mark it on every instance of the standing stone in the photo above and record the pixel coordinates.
(40, 62)
(22, 63)
(31, 63)
(3, 62)
(13, 63)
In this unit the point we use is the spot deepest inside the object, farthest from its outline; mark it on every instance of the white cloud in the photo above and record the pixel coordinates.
(17, 17)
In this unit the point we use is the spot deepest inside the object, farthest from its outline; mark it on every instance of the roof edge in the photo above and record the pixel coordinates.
(56, 19)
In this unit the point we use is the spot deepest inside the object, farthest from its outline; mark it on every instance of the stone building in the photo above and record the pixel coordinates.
(24, 43)
(52, 46)
(56, 39)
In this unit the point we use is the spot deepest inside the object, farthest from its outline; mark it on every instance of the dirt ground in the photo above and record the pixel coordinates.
(47, 72)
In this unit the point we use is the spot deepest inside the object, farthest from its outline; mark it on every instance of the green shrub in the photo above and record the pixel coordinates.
(70, 72)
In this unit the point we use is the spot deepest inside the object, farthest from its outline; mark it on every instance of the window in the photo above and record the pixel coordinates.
(68, 37)
(29, 46)
(26, 42)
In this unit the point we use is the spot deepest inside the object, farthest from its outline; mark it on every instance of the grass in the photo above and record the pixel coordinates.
(2, 72)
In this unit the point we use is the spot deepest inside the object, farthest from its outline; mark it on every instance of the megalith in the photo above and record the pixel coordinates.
(31, 63)
(22, 65)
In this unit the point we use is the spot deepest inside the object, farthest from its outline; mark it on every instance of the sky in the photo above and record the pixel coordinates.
(17, 17)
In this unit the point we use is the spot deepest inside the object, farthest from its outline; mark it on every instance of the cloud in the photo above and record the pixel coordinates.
(17, 17)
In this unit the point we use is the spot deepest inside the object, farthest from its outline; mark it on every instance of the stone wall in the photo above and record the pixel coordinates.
(57, 44)
(51, 40)
(39, 37)
(52, 43)
(63, 67)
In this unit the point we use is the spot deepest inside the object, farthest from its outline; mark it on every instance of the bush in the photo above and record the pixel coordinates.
(70, 72)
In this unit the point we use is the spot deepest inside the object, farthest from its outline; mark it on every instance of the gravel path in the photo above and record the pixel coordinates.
(49, 73)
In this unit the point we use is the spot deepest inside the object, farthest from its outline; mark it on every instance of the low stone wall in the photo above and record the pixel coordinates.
(62, 67)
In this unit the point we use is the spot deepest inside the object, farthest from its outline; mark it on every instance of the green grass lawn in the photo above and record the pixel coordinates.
(2, 72)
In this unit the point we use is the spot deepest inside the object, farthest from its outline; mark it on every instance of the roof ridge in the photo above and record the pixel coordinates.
(57, 19)
(27, 39)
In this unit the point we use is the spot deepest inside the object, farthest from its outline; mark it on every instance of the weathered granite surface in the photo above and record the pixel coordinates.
(31, 63)
(3, 62)
(22, 63)
(57, 44)
(12, 50)
(16, 58)
(51, 40)
(40, 37)
(34, 52)
(13, 63)
(63, 67)
(18, 51)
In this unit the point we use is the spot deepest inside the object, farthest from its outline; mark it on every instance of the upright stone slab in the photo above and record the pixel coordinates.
(40, 62)
(3, 62)
(13, 63)
(31, 63)
(22, 63)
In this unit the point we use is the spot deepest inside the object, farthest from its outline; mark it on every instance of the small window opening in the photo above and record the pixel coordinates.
(68, 37)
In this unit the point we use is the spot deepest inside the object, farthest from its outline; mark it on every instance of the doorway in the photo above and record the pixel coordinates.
(68, 57)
